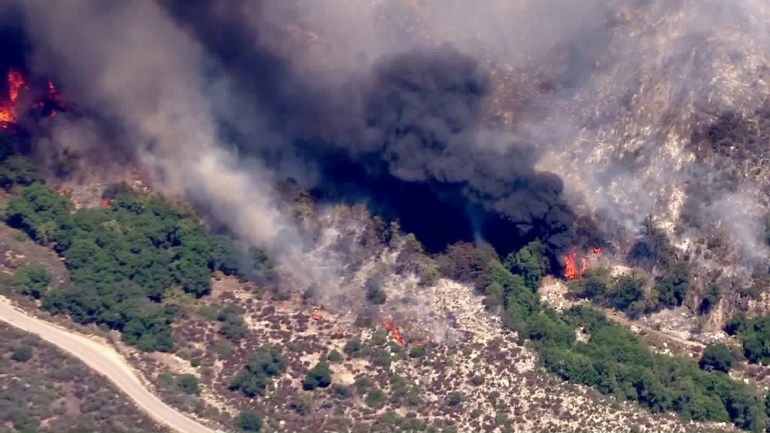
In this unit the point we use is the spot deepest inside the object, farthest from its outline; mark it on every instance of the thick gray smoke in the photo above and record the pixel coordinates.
(478, 101)
(131, 63)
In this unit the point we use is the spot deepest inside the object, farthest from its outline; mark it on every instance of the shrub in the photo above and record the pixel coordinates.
(374, 292)
(477, 380)
(341, 391)
(716, 357)
(317, 377)
(417, 352)
(262, 365)
(334, 357)
(354, 348)
(455, 399)
(188, 383)
(375, 398)
(363, 383)
(31, 280)
(21, 353)
(233, 326)
(249, 421)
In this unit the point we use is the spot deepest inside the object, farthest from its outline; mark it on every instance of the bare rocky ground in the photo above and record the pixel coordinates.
(500, 385)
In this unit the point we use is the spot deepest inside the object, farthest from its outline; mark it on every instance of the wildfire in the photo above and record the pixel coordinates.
(597, 250)
(15, 84)
(50, 103)
(571, 269)
(394, 332)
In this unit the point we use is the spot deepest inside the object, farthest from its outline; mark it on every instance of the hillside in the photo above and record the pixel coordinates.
(388, 215)
(47, 390)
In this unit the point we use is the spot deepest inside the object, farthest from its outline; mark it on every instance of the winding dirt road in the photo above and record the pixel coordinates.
(104, 360)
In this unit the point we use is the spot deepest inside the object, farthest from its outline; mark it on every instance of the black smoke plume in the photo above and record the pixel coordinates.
(405, 135)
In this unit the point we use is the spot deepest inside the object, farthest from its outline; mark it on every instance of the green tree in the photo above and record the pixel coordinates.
(31, 280)
(264, 364)
(249, 421)
(673, 286)
(224, 256)
(18, 170)
(627, 290)
(317, 377)
(35, 209)
(529, 262)
(716, 357)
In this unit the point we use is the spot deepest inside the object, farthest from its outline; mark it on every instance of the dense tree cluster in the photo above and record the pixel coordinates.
(627, 292)
(716, 357)
(754, 334)
(31, 280)
(618, 362)
(123, 259)
(613, 360)
(260, 369)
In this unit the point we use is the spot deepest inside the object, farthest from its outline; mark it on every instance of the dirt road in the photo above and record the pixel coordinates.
(106, 361)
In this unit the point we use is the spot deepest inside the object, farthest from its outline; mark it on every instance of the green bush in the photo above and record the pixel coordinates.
(317, 377)
(233, 326)
(264, 364)
(21, 353)
(249, 421)
(716, 357)
(341, 391)
(188, 383)
(754, 334)
(417, 352)
(31, 280)
(375, 398)
(335, 357)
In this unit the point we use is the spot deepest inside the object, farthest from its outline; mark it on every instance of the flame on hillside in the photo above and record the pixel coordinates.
(394, 332)
(49, 104)
(16, 82)
(571, 269)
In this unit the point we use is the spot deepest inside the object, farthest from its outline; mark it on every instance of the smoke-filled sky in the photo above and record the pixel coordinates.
(497, 119)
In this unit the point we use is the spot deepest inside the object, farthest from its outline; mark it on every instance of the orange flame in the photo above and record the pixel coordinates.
(394, 332)
(597, 250)
(15, 84)
(105, 203)
(571, 270)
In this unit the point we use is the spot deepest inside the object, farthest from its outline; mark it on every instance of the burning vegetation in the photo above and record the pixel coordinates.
(572, 270)
(44, 102)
